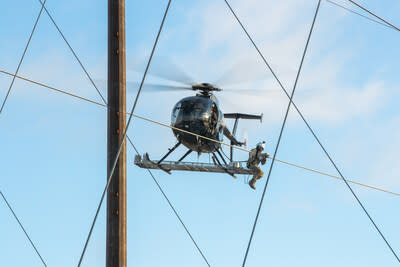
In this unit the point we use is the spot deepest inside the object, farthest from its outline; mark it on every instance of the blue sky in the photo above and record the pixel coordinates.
(53, 148)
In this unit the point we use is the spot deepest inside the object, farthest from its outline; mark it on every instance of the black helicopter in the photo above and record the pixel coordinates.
(201, 115)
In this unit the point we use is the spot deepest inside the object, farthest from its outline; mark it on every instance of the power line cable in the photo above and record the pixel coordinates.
(54, 89)
(23, 56)
(23, 229)
(124, 134)
(281, 131)
(172, 206)
(359, 14)
(204, 137)
(337, 177)
(373, 14)
(315, 136)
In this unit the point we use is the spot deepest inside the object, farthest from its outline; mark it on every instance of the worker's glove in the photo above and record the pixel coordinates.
(264, 158)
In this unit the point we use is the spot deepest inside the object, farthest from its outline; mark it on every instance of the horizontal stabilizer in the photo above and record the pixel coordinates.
(243, 116)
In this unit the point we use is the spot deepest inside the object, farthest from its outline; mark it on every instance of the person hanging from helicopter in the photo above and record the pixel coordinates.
(255, 157)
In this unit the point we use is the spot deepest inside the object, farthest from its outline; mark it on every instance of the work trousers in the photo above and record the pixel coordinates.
(257, 172)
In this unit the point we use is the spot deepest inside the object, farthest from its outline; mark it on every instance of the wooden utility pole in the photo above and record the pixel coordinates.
(116, 195)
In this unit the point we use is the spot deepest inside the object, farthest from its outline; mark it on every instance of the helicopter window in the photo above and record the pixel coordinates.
(192, 109)
(195, 108)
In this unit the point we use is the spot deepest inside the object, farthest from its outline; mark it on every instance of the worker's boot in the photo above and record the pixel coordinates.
(252, 183)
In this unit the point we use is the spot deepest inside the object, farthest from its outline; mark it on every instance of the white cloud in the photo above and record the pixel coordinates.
(280, 29)
(335, 104)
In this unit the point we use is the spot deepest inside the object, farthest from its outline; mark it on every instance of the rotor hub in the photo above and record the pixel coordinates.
(205, 88)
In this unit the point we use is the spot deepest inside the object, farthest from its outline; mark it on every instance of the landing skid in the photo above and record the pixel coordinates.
(235, 167)
(218, 163)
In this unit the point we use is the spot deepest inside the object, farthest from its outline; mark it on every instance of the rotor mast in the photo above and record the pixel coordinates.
(116, 123)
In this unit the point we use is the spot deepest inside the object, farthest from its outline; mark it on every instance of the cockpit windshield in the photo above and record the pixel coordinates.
(192, 108)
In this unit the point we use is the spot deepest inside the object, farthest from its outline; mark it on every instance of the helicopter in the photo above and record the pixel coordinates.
(200, 115)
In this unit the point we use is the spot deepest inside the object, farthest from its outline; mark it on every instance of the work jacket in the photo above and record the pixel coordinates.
(255, 157)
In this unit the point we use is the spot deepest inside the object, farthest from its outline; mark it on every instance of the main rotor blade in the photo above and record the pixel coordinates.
(162, 68)
(147, 87)
(247, 90)
(243, 72)
(150, 87)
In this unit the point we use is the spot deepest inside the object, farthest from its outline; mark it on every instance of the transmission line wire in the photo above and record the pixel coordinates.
(359, 14)
(281, 131)
(23, 56)
(373, 14)
(55, 89)
(204, 137)
(314, 135)
(124, 134)
(336, 177)
(23, 229)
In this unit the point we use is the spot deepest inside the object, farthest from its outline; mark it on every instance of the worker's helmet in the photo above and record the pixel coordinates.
(261, 145)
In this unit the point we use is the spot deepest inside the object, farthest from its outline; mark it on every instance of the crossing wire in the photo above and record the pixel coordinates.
(359, 14)
(23, 56)
(315, 136)
(281, 131)
(203, 137)
(23, 229)
(124, 134)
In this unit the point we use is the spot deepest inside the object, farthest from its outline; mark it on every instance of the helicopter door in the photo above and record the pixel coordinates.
(221, 125)
(213, 118)
(175, 113)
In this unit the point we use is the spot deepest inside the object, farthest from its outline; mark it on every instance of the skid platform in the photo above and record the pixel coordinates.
(236, 167)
